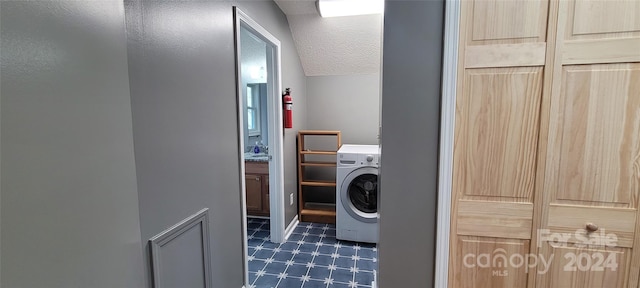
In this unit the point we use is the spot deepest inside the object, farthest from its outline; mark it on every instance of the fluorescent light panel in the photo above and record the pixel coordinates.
(336, 8)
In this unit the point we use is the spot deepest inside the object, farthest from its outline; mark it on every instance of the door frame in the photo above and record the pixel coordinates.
(275, 131)
(447, 131)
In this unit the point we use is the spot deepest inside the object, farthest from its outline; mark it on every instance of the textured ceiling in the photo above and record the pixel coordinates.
(333, 46)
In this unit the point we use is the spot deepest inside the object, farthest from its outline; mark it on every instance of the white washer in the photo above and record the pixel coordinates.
(357, 193)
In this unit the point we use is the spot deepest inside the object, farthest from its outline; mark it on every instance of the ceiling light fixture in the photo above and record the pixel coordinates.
(336, 8)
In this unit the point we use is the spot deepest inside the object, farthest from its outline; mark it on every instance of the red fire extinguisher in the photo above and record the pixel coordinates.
(287, 102)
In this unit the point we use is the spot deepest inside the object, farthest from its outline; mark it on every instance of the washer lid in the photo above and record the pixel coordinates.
(358, 149)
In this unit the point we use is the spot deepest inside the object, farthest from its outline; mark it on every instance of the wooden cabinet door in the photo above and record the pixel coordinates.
(500, 84)
(253, 184)
(592, 147)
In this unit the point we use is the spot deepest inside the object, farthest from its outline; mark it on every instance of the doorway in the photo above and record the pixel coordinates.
(260, 128)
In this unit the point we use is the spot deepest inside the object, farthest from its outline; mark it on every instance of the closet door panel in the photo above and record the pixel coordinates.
(500, 80)
(491, 262)
(591, 182)
(499, 115)
(595, 267)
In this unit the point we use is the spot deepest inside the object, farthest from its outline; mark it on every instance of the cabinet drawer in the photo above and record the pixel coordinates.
(256, 167)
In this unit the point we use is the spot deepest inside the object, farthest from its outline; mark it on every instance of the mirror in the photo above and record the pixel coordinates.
(254, 70)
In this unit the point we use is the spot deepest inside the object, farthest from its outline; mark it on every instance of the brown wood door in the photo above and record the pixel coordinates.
(500, 83)
(591, 143)
(254, 192)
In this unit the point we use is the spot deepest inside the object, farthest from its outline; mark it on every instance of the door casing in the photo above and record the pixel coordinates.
(447, 128)
(276, 150)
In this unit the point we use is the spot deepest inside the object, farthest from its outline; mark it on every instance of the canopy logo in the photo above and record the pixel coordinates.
(500, 259)
(585, 253)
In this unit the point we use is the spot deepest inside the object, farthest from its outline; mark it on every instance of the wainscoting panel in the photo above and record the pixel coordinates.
(180, 255)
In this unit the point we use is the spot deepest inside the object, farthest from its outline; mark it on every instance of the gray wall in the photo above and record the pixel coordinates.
(254, 54)
(0, 149)
(183, 95)
(349, 103)
(184, 122)
(412, 59)
(69, 201)
(71, 207)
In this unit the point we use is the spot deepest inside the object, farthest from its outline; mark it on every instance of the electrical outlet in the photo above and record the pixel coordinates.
(290, 199)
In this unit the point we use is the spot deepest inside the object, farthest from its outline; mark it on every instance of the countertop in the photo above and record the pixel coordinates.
(260, 157)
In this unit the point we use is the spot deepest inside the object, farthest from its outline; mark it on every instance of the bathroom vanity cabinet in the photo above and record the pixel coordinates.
(257, 188)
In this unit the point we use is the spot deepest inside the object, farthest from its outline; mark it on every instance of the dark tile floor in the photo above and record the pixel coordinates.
(311, 257)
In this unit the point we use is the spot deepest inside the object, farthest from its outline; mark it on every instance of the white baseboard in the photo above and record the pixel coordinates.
(291, 227)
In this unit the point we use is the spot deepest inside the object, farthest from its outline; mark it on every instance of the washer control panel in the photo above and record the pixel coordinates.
(368, 159)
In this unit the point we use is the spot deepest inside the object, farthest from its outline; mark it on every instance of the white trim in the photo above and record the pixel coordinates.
(292, 225)
(276, 144)
(445, 178)
(241, 148)
(257, 130)
(276, 149)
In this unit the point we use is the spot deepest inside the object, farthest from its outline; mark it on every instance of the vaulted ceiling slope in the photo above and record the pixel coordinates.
(333, 46)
